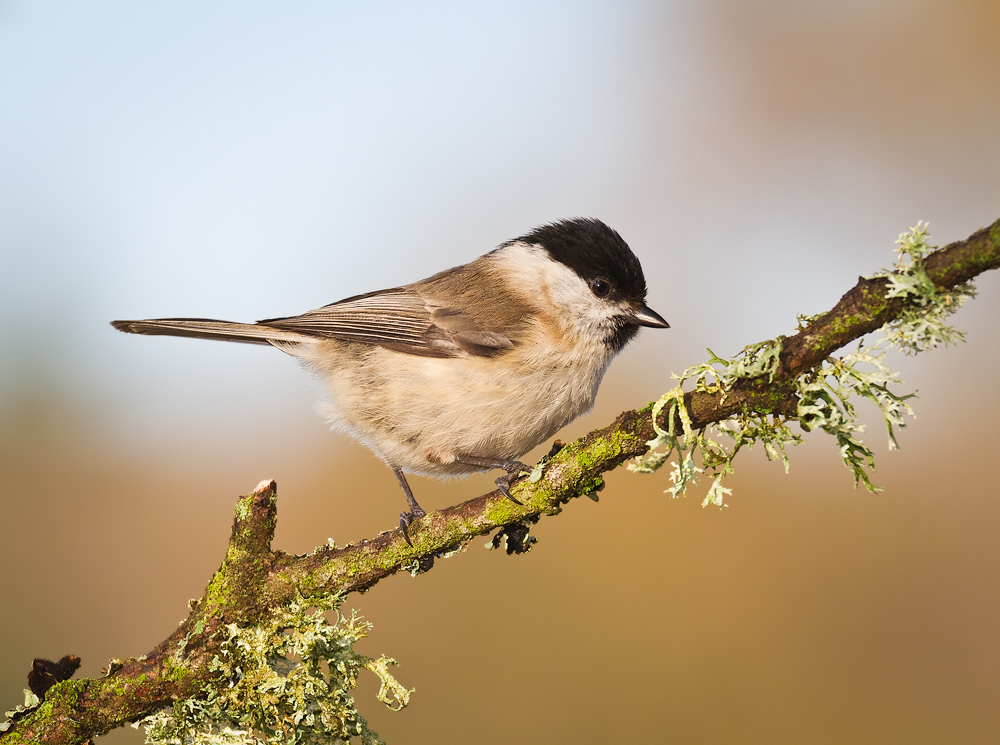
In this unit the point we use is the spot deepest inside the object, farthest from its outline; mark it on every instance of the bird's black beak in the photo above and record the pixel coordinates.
(646, 316)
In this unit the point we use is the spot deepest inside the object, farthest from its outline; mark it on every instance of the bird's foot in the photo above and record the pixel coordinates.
(514, 470)
(405, 518)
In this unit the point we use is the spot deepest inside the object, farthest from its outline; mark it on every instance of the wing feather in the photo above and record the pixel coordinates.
(400, 319)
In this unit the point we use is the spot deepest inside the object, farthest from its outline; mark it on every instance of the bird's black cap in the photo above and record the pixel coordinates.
(594, 251)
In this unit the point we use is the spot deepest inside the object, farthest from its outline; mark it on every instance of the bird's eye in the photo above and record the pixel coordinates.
(600, 287)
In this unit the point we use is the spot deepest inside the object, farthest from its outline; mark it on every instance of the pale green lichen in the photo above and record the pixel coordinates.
(716, 376)
(825, 403)
(30, 702)
(921, 325)
(286, 680)
(825, 395)
(243, 508)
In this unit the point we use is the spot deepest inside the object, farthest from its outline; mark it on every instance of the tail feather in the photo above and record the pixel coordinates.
(207, 328)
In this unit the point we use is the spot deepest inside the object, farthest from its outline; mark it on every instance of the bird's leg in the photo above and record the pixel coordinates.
(514, 468)
(415, 511)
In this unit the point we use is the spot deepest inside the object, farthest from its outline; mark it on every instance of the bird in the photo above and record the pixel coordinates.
(471, 368)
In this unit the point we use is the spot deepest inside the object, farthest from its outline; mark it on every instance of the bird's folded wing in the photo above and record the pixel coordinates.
(401, 320)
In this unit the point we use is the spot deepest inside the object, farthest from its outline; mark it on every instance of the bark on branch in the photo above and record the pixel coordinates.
(254, 580)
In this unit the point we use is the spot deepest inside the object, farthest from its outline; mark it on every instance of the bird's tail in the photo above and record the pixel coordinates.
(206, 328)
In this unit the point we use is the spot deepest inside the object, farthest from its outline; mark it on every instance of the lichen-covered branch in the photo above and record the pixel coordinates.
(863, 309)
(256, 584)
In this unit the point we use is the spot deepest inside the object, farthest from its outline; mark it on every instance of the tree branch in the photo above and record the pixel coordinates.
(253, 580)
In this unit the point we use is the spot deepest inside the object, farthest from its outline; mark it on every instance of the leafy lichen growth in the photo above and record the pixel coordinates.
(31, 701)
(921, 325)
(745, 429)
(825, 403)
(825, 395)
(286, 680)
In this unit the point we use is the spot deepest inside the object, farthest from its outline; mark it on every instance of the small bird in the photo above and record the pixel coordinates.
(468, 370)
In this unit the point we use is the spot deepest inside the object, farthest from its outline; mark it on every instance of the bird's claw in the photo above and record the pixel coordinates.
(503, 484)
(405, 518)
(514, 469)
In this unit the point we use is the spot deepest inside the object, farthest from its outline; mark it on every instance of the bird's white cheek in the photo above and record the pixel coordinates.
(587, 317)
(556, 291)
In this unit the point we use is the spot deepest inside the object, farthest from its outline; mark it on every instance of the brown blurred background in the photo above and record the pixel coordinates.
(244, 163)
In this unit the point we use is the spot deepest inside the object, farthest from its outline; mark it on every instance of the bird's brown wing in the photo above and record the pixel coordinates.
(402, 320)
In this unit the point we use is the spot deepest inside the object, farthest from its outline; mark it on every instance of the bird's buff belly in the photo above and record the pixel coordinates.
(432, 412)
